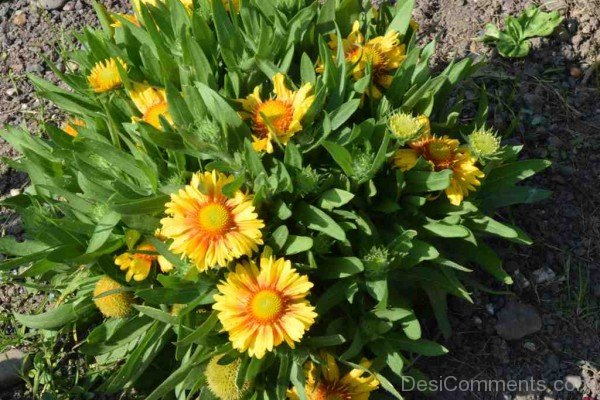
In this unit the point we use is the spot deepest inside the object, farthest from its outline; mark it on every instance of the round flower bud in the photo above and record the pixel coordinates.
(484, 143)
(406, 128)
(221, 379)
(116, 305)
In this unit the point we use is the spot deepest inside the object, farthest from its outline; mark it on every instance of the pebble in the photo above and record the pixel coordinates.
(11, 92)
(573, 382)
(15, 192)
(52, 4)
(529, 346)
(576, 72)
(20, 19)
(521, 281)
(10, 365)
(517, 320)
(543, 275)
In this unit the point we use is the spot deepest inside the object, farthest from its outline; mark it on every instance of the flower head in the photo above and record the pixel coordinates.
(221, 379)
(209, 227)
(278, 118)
(383, 53)
(405, 127)
(105, 76)
(70, 127)
(116, 305)
(326, 382)
(443, 153)
(138, 263)
(263, 306)
(484, 143)
(152, 104)
(129, 17)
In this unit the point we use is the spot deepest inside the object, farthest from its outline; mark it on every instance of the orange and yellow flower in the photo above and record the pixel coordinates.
(325, 382)
(152, 104)
(70, 127)
(278, 118)
(444, 153)
(383, 53)
(105, 76)
(139, 262)
(263, 306)
(209, 227)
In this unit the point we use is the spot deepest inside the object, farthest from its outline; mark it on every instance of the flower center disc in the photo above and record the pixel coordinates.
(152, 116)
(279, 114)
(439, 152)
(266, 305)
(214, 218)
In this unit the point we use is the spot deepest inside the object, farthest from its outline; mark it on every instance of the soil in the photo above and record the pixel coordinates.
(554, 96)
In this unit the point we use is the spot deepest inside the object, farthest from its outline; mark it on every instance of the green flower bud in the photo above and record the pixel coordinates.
(484, 143)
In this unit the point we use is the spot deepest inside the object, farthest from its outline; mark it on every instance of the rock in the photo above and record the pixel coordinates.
(529, 346)
(518, 320)
(20, 19)
(10, 366)
(543, 275)
(573, 382)
(15, 192)
(11, 92)
(576, 72)
(521, 281)
(52, 4)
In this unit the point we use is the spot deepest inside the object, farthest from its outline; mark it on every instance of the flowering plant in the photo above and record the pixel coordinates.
(253, 199)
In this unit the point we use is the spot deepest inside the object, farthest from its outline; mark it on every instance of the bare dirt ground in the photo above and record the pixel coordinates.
(551, 100)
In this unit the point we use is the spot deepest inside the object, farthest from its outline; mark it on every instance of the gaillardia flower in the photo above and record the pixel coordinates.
(326, 382)
(221, 379)
(383, 53)
(116, 305)
(443, 153)
(484, 143)
(263, 306)
(209, 227)
(138, 263)
(152, 104)
(105, 75)
(283, 113)
(70, 127)
(405, 127)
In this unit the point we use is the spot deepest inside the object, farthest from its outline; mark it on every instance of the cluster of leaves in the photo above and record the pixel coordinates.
(514, 39)
(378, 244)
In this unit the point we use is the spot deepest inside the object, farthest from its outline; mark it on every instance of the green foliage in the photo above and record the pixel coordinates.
(377, 243)
(513, 40)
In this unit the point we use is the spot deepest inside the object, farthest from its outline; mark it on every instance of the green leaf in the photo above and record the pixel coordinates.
(424, 181)
(341, 156)
(58, 317)
(103, 230)
(148, 205)
(339, 267)
(343, 113)
(297, 244)
(510, 174)
(421, 346)
(492, 200)
(334, 198)
(324, 341)
(10, 246)
(315, 219)
(156, 314)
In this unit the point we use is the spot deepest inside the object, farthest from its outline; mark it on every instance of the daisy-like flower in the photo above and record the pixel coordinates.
(209, 227)
(139, 263)
(105, 75)
(70, 127)
(383, 53)
(283, 113)
(117, 304)
(263, 306)
(221, 379)
(444, 153)
(152, 103)
(325, 382)
(405, 127)
(129, 17)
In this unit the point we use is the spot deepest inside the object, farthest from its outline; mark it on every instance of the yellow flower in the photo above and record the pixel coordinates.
(138, 264)
(484, 143)
(136, 3)
(284, 113)
(221, 379)
(414, 25)
(383, 53)
(129, 17)
(262, 307)
(152, 103)
(326, 382)
(116, 305)
(405, 127)
(70, 127)
(105, 75)
(236, 5)
(443, 153)
(209, 227)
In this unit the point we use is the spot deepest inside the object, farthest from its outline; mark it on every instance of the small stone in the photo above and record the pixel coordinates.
(573, 382)
(15, 192)
(10, 366)
(489, 308)
(529, 346)
(521, 281)
(20, 19)
(517, 320)
(477, 321)
(52, 4)
(72, 66)
(11, 92)
(543, 275)
(576, 72)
